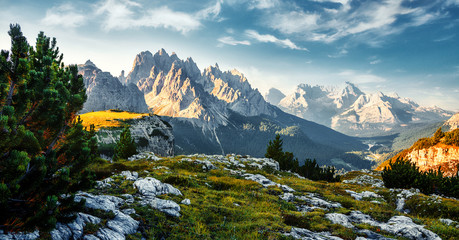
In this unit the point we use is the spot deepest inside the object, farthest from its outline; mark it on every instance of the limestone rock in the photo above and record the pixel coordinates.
(151, 134)
(153, 187)
(106, 92)
(102, 202)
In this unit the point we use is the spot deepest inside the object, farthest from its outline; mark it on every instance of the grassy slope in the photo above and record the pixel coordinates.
(225, 206)
(108, 118)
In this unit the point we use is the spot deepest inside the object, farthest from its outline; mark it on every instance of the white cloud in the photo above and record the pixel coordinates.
(125, 14)
(211, 12)
(64, 15)
(267, 38)
(367, 21)
(231, 41)
(263, 4)
(375, 62)
(341, 53)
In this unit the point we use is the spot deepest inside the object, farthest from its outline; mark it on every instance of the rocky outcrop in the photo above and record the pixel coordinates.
(452, 123)
(446, 157)
(150, 133)
(354, 112)
(106, 92)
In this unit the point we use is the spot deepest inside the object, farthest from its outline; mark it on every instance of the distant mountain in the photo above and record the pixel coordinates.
(217, 111)
(274, 96)
(105, 91)
(353, 112)
(452, 123)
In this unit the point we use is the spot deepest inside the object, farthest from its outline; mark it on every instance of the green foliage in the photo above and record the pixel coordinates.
(125, 147)
(288, 162)
(44, 150)
(438, 135)
(404, 174)
(452, 138)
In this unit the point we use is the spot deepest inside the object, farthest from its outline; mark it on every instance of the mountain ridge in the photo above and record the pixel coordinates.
(353, 112)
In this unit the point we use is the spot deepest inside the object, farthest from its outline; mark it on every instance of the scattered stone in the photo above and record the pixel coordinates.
(73, 229)
(398, 225)
(144, 155)
(20, 236)
(288, 197)
(266, 182)
(104, 183)
(167, 206)
(186, 201)
(366, 180)
(402, 196)
(130, 176)
(315, 201)
(339, 218)
(123, 223)
(128, 211)
(153, 187)
(364, 194)
(103, 202)
(301, 233)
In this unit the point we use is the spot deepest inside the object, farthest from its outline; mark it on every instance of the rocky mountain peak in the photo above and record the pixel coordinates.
(89, 63)
(105, 91)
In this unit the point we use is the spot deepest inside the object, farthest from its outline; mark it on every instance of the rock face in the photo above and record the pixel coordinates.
(105, 91)
(452, 123)
(446, 157)
(354, 112)
(150, 133)
(176, 88)
(213, 107)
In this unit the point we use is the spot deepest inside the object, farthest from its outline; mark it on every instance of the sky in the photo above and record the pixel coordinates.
(410, 47)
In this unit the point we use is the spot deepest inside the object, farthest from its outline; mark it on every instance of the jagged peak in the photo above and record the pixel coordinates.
(163, 52)
(90, 63)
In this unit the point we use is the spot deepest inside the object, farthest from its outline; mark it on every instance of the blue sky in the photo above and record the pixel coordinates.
(404, 46)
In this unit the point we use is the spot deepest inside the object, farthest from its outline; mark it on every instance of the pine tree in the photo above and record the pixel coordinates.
(438, 135)
(43, 150)
(125, 147)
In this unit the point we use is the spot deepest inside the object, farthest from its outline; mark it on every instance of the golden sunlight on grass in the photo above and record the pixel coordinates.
(108, 118)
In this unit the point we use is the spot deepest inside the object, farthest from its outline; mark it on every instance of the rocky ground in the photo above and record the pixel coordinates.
(240, 197)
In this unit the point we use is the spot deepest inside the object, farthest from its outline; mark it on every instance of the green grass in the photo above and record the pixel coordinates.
(225, 206)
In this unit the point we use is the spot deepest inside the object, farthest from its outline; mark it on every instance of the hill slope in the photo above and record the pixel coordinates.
(432, 153)
(222, 197)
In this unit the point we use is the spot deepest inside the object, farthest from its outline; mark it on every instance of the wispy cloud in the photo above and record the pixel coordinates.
(444, 38)
(371, 19)
(231, 41)
(267, 38)
(341, 53)
(263, 4)
(212, 12)
(361, 78)
(65, 15)
(124, 14)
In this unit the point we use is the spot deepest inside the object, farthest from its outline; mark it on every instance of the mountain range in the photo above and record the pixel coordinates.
(218, 112)
(353, 112)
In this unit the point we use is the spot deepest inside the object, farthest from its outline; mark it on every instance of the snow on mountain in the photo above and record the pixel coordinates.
(354, 112)
(105, 91)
